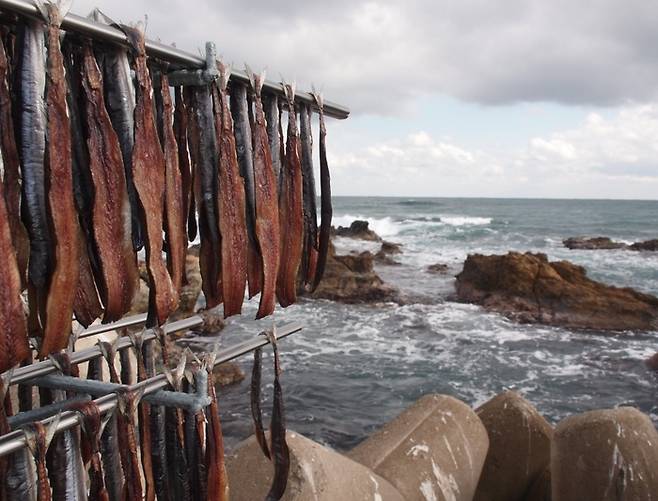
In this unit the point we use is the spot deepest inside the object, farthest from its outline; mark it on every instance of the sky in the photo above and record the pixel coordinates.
(514, 98)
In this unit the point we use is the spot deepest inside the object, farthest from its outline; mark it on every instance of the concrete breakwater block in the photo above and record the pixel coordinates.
(519, 447)
(433, 451)
(316, 473)
(607, 455)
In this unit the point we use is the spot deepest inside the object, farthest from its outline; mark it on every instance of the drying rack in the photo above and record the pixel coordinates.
(184, 69)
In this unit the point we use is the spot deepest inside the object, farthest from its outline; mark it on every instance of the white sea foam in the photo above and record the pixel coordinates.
(465, 220)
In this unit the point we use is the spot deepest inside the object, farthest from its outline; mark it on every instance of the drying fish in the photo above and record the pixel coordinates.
(218, 488)
(38, 439)
(174, 203)
(310, 253)
(111, 212)
(271, 106)
(232, 225)
(290, 210)
(195, 437)
(59, 179)
(14, 347)
(92, 427)
(5, 412)
(180, 131)
(240, 110)
(11, 166)
(267, 208)
(176, 451)
(204, 154)
(255, 396)
(21, 477)
(120, 102)
(149, 177)
(325, 201)
(129, 444)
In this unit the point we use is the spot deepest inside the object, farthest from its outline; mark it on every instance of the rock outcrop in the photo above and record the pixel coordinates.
(648, 245)
(529, 288)
(652, 362)
(437, 269)
(358, 229)
(593, 243)
(384, 254)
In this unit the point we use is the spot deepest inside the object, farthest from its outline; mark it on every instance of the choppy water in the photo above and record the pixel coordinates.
(355, 367)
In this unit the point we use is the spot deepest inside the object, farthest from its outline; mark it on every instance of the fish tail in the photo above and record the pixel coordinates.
(289, 89)
(53, 11)
(255, 80)
(224, 74)
(319, 100)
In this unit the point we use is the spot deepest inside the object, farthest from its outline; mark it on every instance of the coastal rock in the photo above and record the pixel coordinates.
(358, 229)
(228, 373)
(529, 288)
(540, 490)
(649, 245)
(351, 279)
(606, 455)
(594, 243)
(387, 249)
(519, 447)
(652, 362)
(438, 269)
(433, 450)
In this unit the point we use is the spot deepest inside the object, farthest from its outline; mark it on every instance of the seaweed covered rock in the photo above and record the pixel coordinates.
(358, 229)
(529, 288)
(592, 243)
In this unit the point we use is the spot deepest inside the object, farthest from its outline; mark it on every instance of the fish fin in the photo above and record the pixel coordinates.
(52, 428)
(64, 7)
(44, 12)
(224, 74)
(5, 381)
(289, 89)
(106, 419)
(135, 35)
(56, 362)
(108, 350)
(319, 100)
(175, 376)
(99, 16)
(137, 340)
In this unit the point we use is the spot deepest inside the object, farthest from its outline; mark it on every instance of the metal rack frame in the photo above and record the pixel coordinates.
(180, 58)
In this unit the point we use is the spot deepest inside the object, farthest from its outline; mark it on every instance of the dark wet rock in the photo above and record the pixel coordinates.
(383, 255)
(213, 323)
(228, 373)
(519, 447)
(358, 229)
(390, 248)
(648, 245)
(594, 243)
(438, 268)
(652, 362)
(529, 288)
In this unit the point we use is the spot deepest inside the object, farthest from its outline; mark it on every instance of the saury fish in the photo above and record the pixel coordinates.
(240, 110)
(218, 487)
(232, 224)
(129, 444)
(290, 210)
(325, 203)
(176, 450)
(180, 131)
(91, 427)
(111, 212)
(149, 177)
(272, 115)
(310, 253)
(59, 179)
(38, 440)
(267, 207)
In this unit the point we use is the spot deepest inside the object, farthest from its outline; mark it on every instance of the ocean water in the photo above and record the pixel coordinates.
(354, 367)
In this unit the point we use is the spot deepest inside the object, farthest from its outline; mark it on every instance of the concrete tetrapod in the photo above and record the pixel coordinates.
(519, 447)
(434, 450)
(316, 473)
(606, 455)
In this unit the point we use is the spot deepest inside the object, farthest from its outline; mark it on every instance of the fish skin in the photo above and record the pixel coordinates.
(271, 106)
(204, 155)
(21, 477)
(174, 198)
(218, 485)
(309, 255)
(32, 148)
(231, 203)
(267, 208)
(119, 275)
(14, 346)
(91, 428)
(255, 397)
(38, 446)
(11, 166)
(326, 209)
(149, 177)
(290, 211)
(176, 451)
(129, 445)
(180, 131)
(241, 112)
(59, 179)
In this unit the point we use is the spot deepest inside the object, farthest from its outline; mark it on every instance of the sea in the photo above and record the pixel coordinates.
(354, 367)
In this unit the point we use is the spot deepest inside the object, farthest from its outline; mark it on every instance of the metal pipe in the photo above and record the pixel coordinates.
(107, 33)
(130, 321)
(14, 441)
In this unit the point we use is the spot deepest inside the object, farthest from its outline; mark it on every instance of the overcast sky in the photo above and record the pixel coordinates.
(515, 98)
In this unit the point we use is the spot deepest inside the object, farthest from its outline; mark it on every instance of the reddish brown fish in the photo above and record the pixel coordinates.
(180, 131)
(38, 441)
(218, 487)
(267, 208)
(59, 181)
(11, 165)
(13, 335)
(174, 203)
(232, 217)
(111, 209)
(290, 210)
(86, 304)
(149, 178)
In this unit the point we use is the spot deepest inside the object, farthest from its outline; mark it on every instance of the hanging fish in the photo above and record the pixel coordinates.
(129, 444)
(195, 437)
(14, 346)
(231, 203)
(205, 155)
(176, 450)
(38, 439)
(310, 252)
(290, 210)
(59, 180)
(325, 201)
(267, 207)
(174, 199)
(111, 211)
(149, 177)
(271, 106)
(241, 111)
(11, 167)
(218, 487)
(92, 427)
(180, 131)
(255, 398)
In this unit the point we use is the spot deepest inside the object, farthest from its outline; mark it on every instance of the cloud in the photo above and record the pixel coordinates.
(378, 56)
